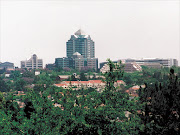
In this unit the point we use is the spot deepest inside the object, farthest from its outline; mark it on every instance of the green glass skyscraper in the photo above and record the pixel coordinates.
(81, 43)
(80, 53)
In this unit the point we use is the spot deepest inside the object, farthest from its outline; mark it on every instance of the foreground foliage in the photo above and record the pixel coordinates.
(51, 110)
(162, 107)
(77, 112)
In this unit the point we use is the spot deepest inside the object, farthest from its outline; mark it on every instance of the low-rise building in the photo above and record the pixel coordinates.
(163, 62)
(7, 66)
(32, 63)
(64, 62)
(50, 66)
(77, 61)
(132, 67)
(128, 67)
(152, 65)
(62, 77)
(37, 73)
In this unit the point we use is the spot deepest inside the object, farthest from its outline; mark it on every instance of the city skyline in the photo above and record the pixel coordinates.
(120, 30)
(80, 53)
(81, 43)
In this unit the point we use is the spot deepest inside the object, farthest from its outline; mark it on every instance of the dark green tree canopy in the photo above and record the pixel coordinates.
(162, 107)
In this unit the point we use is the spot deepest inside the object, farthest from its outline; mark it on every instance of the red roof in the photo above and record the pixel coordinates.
(95, 81)
(120, 81)
(85, 82)
(65, 83)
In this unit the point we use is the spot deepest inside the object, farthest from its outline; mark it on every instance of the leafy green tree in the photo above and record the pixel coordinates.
(29, 74)
(83, 77)
(51, 110)
(19, 84)
(43, 79)
(161, 107)
(15, 74)
(2, 100)
(127, 78)
(73, 78)
(115, 72)
(3, 86)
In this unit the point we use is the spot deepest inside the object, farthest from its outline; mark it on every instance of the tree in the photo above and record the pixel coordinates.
(73, 78)
(29, 74)
(15, 74)
(20, 84)
(115, 72)
(52, 110)
(161, 107)
(3, 85)
(2, 100)
(83, 77)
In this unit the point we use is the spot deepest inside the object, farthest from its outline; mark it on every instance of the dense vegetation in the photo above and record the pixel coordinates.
(52, 110)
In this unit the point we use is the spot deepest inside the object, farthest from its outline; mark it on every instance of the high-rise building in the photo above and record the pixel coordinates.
(80, 53)
(32, 63)
(81, 43)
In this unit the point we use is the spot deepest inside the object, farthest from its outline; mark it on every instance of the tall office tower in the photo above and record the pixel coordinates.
(81, 43)
(80, 53)
(32, 63)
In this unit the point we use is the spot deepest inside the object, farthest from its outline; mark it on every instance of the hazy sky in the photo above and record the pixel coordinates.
(120, 29)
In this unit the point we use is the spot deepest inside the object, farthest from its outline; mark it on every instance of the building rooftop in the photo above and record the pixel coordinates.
(79, 32)
(76, 53)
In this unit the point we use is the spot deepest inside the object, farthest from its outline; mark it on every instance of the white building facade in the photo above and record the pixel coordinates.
(32, 63)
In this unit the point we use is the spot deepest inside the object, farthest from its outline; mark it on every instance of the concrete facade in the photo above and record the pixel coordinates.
(80, 53)
(32, 63)
(81, 43)
(164, 62)
(7, 65)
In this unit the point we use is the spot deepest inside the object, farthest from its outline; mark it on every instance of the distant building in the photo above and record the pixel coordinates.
(128, 67)
(132, 67)
(77, 61)
(92, 63)
(103, 63)
(62, 77)
(81, 43)
(7, 66)
(32, 63)
(64, 62)
(80, 53)
(50, 66)
(37, 73)
(152, 65)
(163, 62)
(7, 74)
(105, 68)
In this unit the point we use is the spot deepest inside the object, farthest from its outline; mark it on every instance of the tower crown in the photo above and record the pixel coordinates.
(81, 43)
(79, 32)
